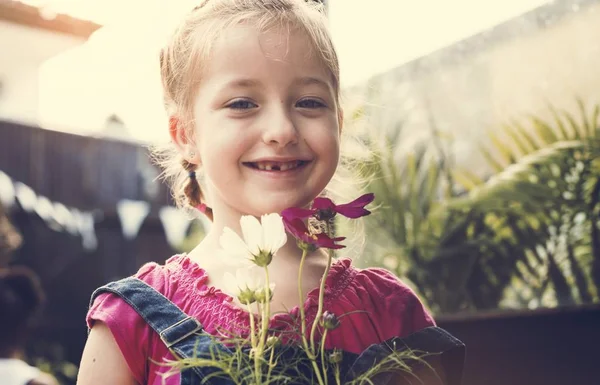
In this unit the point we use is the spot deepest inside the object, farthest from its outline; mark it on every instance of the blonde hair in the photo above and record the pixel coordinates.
(190, 46)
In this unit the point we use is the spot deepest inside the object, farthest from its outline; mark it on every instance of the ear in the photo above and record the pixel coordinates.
(184, 143)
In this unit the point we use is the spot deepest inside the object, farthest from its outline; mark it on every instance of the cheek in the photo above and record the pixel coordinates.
(220, 150)
(327, 141)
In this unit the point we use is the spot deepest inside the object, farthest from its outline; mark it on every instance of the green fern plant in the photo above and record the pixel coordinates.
(525, 236)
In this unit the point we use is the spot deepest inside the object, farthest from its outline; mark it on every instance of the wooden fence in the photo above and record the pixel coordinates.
(92, 175)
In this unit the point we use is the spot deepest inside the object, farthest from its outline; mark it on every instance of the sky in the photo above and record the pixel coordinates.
(116, 71)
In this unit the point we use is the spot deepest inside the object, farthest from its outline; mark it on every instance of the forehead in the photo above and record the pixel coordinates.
(276, 51)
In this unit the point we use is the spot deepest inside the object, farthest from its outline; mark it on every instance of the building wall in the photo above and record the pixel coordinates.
(549, 55)
(23, 50)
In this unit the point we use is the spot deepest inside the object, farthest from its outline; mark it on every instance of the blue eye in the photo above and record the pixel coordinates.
(310, 103)
(241, 105)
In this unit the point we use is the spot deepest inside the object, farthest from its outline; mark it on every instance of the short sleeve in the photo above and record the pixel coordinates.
(130, 331)
(397, 310)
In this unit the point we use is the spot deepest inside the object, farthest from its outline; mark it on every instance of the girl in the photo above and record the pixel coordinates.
(252, 90)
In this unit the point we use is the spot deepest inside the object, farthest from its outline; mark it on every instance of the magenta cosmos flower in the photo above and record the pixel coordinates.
(324, 209)
(298, 229)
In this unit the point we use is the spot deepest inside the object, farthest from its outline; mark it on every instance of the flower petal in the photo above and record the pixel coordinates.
(251, 278)
(253, 234)
(323, 240)
(296, 212)
(322, 203)
(356, 208)
(274, 236)
(297, 228)
(234, 245)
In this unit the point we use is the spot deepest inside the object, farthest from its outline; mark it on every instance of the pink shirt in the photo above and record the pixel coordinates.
(382, 306)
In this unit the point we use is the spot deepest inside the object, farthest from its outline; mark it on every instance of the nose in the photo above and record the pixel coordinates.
(279, 128)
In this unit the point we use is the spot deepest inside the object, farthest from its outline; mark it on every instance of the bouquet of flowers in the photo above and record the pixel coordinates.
(265, 357)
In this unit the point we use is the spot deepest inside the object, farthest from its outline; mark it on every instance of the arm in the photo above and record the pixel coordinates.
(102, 361)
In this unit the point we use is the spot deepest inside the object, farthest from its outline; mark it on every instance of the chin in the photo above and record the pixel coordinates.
(267, 206)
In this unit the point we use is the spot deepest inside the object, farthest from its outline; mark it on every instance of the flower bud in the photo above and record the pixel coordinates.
(262, 293)
(336, 357)
(273, 341)
(305, 246)
(330, 321)
(247, 297)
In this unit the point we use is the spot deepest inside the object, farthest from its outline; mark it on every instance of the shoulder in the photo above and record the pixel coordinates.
(173, 279)
(382, 283)
(116, 307)
(394, 304)
(172, 276)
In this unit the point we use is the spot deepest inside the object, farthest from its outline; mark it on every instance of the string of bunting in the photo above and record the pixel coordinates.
(59, 217)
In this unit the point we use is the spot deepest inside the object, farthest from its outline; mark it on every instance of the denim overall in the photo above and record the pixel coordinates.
(184, 336)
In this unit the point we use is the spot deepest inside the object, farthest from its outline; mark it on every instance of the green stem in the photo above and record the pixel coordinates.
(267, 311)
(317, 371)
(252, 336)
(254, 346)
(309, 352)
(321, 299)
(270, 364)
(336, 367)
(323, 360)
(301, 306)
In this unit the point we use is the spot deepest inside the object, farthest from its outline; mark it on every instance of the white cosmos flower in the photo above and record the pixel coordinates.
(247, 284)
(261, 240)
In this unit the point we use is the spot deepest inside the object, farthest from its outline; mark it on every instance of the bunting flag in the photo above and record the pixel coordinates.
(176, 224)
(26, 197)
(7, 191)
(64, 217)
(132, 215)
(85, 226)
(57, 216)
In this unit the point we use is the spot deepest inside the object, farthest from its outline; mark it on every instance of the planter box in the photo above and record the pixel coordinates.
(546, 347)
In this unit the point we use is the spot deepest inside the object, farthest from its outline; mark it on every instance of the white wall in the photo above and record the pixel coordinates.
(465, 96)
(22, 50)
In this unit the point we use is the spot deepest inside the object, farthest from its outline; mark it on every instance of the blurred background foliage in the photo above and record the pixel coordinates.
(523, 236)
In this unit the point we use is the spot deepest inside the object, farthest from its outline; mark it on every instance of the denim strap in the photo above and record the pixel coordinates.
(430, 340)
(181, 333)
(171, 324)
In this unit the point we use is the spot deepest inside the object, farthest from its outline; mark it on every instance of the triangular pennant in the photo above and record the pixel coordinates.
(7, 191)
(64, 217)
(44, 208)
(132, 215)
(175, 223)
(25, 196)
(85, 224)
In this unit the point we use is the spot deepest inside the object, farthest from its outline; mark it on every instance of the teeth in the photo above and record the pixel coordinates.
(270, 166)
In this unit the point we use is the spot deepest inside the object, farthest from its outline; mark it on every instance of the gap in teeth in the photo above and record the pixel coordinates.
(277, 166)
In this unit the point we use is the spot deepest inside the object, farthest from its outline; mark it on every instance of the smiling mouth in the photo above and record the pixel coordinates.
(277, 166)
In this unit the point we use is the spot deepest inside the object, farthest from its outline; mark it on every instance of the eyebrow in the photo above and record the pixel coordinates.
(309, 80)
(243, 83)
(304, 81)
